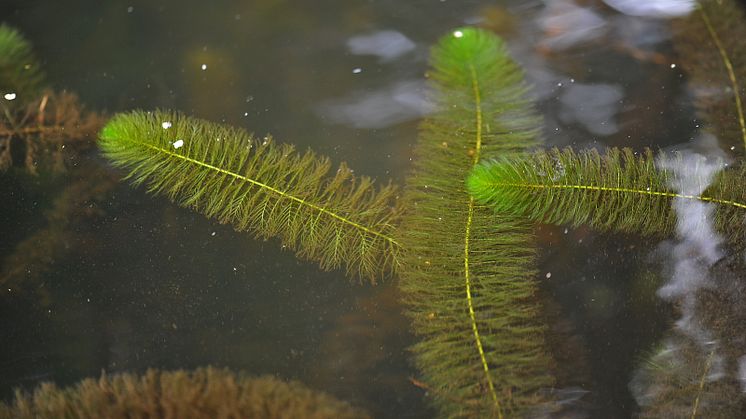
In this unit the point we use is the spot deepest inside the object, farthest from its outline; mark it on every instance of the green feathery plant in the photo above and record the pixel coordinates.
(468, 273)
(619, 191)
(254, 184)
(42, 128)
(710, 47)
(20, 73)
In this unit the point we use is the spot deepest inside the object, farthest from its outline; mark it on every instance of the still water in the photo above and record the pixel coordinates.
(137, 282)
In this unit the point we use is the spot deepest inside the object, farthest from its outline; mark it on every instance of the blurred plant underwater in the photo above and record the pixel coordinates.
(465, 262)
(202, 393)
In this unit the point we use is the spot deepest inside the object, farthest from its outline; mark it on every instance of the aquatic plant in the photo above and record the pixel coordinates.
(468, 273)
(21, 77)
(709, 45)
(202, 393)
(482, 349)
(331, 217)
(79, 203)
(676, 380)
(617, 191)
(38, 127)
(48, 133)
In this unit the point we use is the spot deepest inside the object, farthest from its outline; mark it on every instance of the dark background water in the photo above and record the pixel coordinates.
(148, 284)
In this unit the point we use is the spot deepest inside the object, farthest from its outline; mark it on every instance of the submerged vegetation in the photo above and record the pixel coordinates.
(38, 127)
(468, 273)
(617, 191)
(202, 393)
(464, 251)
(21, 75)
(710, 44)
(334, 218)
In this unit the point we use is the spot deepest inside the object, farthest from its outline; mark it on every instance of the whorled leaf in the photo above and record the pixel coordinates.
(468, 273)
(336, 219)
(617, 191)
(20, 73)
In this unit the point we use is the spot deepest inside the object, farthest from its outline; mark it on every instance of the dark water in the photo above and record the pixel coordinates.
(142, 283)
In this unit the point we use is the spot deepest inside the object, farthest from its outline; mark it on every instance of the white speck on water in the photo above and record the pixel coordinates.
(88, 299)
(566, 231)
(357, 70)
(235, 269)
(204, 67)
(572, 80)
(213, 233)
(245, 114)
(673, 65)
(559, 84)
(166, 124)
(732, 147)
(130, 9)
(458, 34)
(178, 143)
(548, 275)
(9, 96)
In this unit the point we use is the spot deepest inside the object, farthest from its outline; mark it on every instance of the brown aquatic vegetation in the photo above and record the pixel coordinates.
(709, 43)
(77, 205)
(48, 132)
(203, 393)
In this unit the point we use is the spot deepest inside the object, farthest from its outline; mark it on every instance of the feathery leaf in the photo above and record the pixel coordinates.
(618, 191)
(20, 73)
(467, 274)
(225, 173)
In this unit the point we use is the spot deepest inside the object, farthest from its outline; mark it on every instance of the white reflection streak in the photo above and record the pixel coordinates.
(653, 8)
(565, 25)
(698, 246)
(387, 45)
(695, 251)
(401, 102)
(592, 105)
